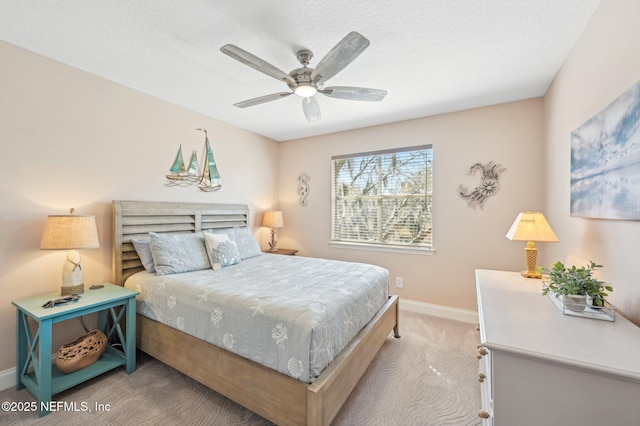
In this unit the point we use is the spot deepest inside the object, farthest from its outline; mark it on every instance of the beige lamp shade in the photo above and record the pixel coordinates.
(531, 226)
(69, 232)
(272, 219)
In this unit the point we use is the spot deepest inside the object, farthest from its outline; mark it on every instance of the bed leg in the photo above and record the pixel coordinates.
(396, 328)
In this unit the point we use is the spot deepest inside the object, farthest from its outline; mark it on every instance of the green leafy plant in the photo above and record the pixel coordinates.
(577, 281)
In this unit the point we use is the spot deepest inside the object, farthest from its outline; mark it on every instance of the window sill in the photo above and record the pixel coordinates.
(376, 247)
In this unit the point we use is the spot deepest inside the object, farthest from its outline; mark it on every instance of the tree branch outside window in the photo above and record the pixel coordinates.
(383, 198)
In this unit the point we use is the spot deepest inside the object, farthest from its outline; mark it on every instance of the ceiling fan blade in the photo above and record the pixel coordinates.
(354, 93)
(311, 108)
(339, 57)
(262, 99)
(256, 63)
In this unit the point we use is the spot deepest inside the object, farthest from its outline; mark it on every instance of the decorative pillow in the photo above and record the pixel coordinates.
(143, 249)
(222, 250)
(246, 242)
(177, 253)
(244, 239)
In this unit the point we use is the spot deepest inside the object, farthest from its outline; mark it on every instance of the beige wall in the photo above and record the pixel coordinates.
(464, 239)
(604, 64)
(70, 139)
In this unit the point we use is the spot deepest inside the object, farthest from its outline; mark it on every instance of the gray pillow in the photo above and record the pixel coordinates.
(246, 242)
(143, 249)
(244, 239)
(177, 253)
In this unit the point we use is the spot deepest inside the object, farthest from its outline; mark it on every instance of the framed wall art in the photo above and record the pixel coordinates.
(605, 161)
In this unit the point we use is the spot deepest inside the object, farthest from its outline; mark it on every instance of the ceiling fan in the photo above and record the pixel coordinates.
(305, 81)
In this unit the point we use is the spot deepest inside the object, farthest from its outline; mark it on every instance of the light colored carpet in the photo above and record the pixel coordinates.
(428, 377)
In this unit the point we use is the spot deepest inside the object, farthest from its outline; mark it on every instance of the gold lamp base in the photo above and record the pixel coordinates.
(532, 257)
(528, 274)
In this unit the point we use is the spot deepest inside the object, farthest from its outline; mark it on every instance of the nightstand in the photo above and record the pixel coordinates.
(43, 379)
(286, 252)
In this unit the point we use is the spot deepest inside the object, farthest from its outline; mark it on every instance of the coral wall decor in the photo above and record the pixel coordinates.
(489, 184)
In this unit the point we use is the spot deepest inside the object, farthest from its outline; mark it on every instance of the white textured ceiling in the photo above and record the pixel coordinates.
(432, 56)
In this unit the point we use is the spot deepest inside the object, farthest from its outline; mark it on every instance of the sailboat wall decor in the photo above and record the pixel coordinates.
(178, 166)
(211, 180)
(208, 180)
(181, 177)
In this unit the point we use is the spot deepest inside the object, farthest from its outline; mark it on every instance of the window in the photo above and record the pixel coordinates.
(383, 198)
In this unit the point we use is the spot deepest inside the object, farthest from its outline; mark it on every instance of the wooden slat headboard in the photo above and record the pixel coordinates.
(135, 219)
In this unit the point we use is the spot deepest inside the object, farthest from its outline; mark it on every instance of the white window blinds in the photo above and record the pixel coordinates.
(383, 198)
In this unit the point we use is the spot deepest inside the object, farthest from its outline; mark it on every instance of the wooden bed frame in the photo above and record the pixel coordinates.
(273, 395)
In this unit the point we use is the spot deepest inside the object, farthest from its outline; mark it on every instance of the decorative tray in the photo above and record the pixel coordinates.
(605, 313)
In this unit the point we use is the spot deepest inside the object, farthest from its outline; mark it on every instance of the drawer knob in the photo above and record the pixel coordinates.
(483, 414)
(482, 351)
(481, 377)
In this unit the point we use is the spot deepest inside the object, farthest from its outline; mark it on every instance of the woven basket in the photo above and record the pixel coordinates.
(81, 353)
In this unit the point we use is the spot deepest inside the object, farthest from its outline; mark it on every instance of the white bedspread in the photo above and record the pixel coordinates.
(292, 314)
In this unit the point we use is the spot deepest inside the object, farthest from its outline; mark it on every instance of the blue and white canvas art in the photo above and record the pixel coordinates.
(605, 161)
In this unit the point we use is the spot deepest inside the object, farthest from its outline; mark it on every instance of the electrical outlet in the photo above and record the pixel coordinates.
(399, 282)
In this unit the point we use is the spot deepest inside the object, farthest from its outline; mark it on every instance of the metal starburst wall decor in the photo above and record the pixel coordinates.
(489, 185)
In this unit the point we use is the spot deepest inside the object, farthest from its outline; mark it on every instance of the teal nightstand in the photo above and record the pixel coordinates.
(44, 379)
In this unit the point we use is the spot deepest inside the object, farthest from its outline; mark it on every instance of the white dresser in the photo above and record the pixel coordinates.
(540, 367)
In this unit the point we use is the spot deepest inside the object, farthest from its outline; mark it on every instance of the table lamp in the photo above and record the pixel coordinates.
(530, 227)
(70, 232)
(273, 220)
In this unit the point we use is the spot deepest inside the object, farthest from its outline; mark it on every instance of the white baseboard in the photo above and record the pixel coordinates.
(439, 311)
(8, 377)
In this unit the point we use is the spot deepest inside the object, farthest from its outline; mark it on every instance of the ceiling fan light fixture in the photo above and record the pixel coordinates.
(306, 82)
(305, 90)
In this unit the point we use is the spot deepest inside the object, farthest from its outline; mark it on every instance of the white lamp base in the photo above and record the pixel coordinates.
(72, 276)
(273, 244)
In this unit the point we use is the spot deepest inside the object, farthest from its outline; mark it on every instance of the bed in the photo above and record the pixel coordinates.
(278, 397)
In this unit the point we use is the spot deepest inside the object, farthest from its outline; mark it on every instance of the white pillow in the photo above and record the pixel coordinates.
(221, 249)
(177, 253)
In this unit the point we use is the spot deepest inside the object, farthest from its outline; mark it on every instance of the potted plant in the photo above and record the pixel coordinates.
(577, 285)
